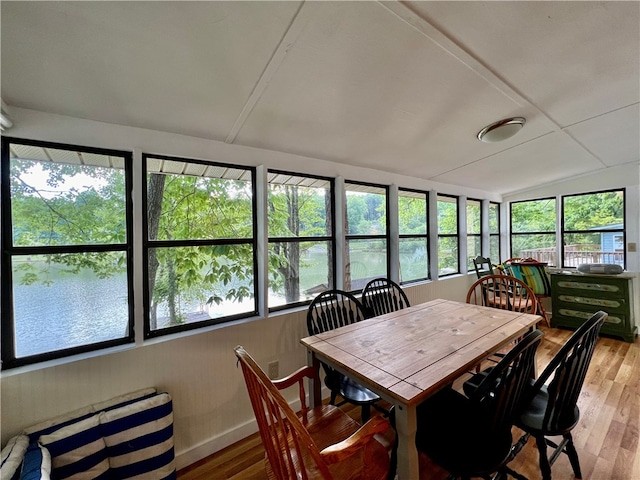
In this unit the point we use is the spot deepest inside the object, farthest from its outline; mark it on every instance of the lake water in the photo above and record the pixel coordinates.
(74, 310)
(71, 311)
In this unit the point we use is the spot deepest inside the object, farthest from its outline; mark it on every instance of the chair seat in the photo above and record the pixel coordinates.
(455, 435)
(517, 304)
(351, 391)
(532, 418)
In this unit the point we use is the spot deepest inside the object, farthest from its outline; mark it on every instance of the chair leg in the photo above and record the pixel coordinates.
(334, 395)
(545, 467)
(366, 413)
(573, 455)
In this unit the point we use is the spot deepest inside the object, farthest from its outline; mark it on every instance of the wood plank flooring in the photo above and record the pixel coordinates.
(606, 437)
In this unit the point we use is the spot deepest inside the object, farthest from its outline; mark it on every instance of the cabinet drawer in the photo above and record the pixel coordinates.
(602, 289)
(612, 320)
(579, 302)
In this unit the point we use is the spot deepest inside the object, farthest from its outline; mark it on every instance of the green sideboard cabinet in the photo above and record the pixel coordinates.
(577, 296)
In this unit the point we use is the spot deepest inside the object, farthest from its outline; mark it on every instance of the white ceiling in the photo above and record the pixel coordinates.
(400, 87)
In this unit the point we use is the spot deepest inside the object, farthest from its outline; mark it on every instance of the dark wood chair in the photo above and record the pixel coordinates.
(552, 408)
(381, 296)
(322, 443)
(329, 310)
(471, 436)
(483, 266)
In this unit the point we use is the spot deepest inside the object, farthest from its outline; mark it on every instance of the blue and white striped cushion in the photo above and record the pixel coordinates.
(37, 463)
(12, 456)
(53, 424)
(78, 451)
(139, 439)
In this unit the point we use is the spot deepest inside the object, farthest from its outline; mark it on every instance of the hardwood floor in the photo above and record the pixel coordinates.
(606, 437)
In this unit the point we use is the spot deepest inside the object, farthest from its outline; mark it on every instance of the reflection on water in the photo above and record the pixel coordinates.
(72, 310)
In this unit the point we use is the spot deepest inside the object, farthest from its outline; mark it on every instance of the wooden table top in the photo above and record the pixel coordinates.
(410, 354)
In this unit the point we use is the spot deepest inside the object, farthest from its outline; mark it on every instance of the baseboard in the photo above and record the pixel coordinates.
(196, 453)
(215, 444)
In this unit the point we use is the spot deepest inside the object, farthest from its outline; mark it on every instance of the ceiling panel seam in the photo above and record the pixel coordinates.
(421, 25)
(296, 25)
(439, 38)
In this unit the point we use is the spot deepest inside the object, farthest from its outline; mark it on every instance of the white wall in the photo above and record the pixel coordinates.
(211, 406)
(198, 368)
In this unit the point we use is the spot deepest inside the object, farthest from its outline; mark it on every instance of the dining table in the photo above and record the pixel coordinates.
(407, 355)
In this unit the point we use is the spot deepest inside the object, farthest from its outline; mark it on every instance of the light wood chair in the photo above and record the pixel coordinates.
(534, 274)
(320, 443)
(504, 292)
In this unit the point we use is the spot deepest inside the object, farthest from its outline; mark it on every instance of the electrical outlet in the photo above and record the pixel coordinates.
(274, 370)
(631, 247)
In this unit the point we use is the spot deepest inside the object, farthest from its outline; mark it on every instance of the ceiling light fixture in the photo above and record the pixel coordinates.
(496, 132)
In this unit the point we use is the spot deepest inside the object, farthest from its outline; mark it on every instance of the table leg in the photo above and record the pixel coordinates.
(406, 426)
(315, 384)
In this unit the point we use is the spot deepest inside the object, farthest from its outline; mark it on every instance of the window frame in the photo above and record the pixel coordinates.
(149, 244)
(496, 205)
(417, 236)
(387, 236)
(9, 251)
(553, 232)
(622, 230)
(470, 265)
(331, 238)
(456, 235)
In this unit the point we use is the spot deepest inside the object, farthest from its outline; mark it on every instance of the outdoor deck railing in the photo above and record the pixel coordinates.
(574, 257)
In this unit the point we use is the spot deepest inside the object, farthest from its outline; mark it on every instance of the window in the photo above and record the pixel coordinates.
(448, 247)
(533, 230)
(414, 241)
(474, 231)
(367, 234)
(593, 229)
(494, 232)
(200, 244)
(301, 238)
(66, 243)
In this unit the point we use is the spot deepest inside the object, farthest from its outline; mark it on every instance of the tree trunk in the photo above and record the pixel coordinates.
(155, 192)
(292, 276)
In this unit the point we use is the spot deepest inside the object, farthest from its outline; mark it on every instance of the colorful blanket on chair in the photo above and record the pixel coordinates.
(533, 274)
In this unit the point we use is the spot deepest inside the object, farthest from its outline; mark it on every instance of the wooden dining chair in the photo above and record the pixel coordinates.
(381, 296)
(471, 436)
(504, 292)
(321, 443)
(330, 310)
(482, 266)
(534, 274)
(552, 409)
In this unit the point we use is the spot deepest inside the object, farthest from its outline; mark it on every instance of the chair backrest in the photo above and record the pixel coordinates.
(332, 309)
(287, 443)
(382, 295)
(502, 392)
(569, 368)
(531, 272)
(483, 266)
(504, 292)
